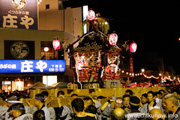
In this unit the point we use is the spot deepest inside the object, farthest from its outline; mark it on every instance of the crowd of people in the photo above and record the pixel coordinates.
(158, 105)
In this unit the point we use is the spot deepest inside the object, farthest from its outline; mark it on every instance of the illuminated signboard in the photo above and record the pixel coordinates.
(32, 66)
(18, 14)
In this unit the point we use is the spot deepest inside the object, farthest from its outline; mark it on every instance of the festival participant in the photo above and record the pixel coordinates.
(126, 105)
(106, 109)
(144, 100)
(171, 102)
(151, 102)
(61, 94)
(118, 114)
(157, 114)
(78, 109)
(129, 92)
(18, 112)
(39, 103)
(51, 109)
(39, 115)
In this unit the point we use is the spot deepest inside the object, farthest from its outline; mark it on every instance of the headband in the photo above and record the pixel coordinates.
(119, 101)
(21, 108)
(39, 98)
(11, 99)
(134, 104)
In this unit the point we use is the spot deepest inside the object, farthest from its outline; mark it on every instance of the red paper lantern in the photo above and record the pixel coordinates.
(133, 47)
(56, 44)
(113, 38)
(91, 15)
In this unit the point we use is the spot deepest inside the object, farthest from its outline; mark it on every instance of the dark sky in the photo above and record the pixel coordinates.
(154, 26)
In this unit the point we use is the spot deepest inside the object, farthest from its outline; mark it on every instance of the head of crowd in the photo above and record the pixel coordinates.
(162, 104)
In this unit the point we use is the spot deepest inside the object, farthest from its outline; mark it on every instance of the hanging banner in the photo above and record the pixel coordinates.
(14, 49)
(131, 65)
(32, 66)
(18, 14)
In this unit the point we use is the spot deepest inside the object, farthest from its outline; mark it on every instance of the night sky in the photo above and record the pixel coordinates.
(155, 27)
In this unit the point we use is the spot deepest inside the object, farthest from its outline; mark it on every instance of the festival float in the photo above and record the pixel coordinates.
(95, 56)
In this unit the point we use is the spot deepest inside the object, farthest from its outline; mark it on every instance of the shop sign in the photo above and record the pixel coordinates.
(32, 66)
(18, 14)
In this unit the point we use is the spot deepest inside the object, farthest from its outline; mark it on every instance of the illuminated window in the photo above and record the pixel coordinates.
(49, 79)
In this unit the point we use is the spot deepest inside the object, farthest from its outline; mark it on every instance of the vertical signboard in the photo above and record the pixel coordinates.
(18, 14)
(131, 65)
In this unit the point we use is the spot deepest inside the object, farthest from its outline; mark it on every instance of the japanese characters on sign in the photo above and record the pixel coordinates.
(18, 14)
(32, 66)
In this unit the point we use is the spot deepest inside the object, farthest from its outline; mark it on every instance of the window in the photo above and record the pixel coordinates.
(47, 6)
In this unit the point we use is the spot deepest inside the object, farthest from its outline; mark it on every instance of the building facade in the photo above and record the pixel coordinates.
(16, 43)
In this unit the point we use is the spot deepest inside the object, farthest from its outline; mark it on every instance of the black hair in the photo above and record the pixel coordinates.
(144, 95)
(41, 96)
(39, 115)
(124, 96)
(74, 95)
(60, 93)
(129, 91)
(88, 98)
(101, 97)
(20, 107)
(45, 93)
(78, 104)
(151, 92)
(91, 109)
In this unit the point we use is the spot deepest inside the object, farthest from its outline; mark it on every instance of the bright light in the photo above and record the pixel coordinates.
(50, 79)
(91, 15)
(142, 70)
(85, 12)
(46, 49)
(133, 47)
(113, 38)
(160, 74)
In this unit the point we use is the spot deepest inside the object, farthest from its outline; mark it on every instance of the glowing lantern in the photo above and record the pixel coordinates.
(133, 47)
(113, 38)
(56, 44)
(91, 15)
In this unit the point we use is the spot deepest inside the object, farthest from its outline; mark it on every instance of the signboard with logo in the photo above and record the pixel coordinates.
(18, 49)
(32, 66)
(18, 14)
